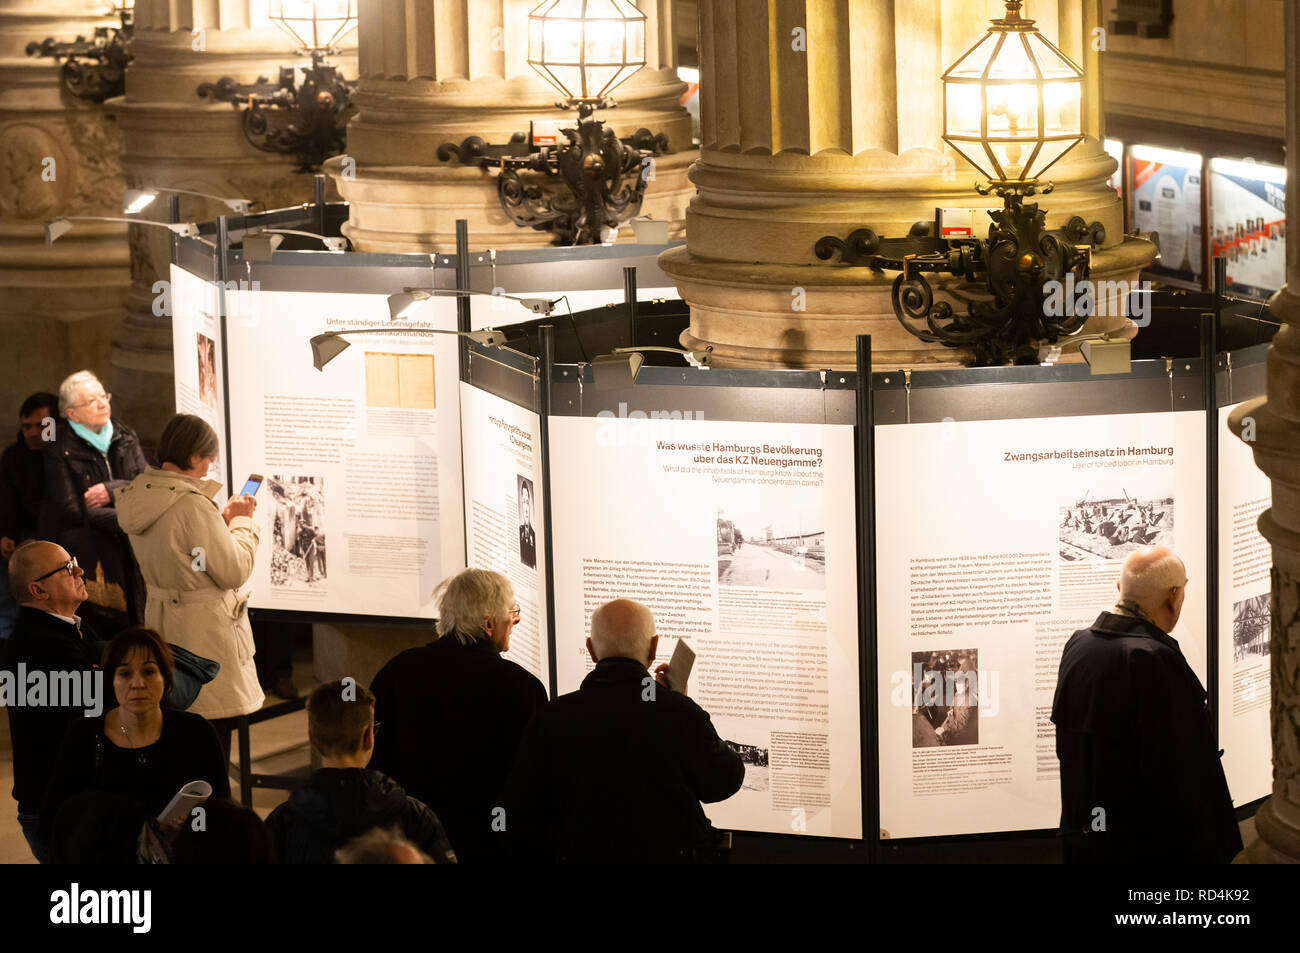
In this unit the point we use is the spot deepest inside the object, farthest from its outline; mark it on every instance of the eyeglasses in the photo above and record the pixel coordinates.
(514, 613)
(70, 567)
(105, 398)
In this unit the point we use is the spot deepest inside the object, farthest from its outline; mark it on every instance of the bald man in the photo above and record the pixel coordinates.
(1141, 780)
(615, 772)
(47, 585)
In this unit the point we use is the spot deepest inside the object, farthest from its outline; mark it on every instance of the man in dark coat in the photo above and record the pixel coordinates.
(80, 480)
(1141, 781)
(344, 799)
(22, 486)
(47, 638)
(615, 772)
(453, 713)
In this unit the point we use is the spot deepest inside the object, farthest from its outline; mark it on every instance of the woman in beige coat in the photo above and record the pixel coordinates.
(194, 558)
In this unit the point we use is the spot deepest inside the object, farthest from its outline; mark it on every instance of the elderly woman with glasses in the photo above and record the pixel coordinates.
(88, 461)
(454, 711)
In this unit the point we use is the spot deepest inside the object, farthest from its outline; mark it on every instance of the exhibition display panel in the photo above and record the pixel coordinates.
(1244, 561)
(732, 520)
(939, 559)
(1026, 489)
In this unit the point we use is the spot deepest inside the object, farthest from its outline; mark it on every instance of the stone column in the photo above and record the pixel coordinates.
(1272, 427)
(821, 116)
(58, 156)
(174, 138)
(441, 70)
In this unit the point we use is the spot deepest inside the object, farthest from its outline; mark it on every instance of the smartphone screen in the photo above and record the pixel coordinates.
(252, 486)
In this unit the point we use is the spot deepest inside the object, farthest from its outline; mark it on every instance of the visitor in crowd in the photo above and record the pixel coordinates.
(22, 487)
(137, 749)
(381, 847)
(47, 585)
(344, 799)
(454, 710)
(89, 460)
(229, 834)
(615, 772)
(195, 556)
(1141, 780)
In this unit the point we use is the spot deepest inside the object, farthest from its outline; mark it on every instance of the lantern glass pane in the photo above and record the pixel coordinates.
(602, 42)
(1012, 157)
(971, 66)
(1012, 111)
(974, 153)
(1049, 153)
(1061, 108)
(561, 41)
(1053, 63)
(962, 117)
(1012, 61)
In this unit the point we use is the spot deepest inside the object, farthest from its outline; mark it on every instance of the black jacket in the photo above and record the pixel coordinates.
(72, 467)
(338, 804)
(22, 487)
(452, 717)
(45, 643)
(187, 750)
(610, 774)
(1141, 781)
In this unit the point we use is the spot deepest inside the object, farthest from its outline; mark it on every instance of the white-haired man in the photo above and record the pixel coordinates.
(616, 771)
(1141, 781)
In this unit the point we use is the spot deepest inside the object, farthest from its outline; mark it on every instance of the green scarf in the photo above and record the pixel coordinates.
(99, 441)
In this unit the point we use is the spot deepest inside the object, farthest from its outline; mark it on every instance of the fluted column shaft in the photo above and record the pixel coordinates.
(175, 139)
(820, 116)
(1272, 428)
(442, 70)
(58, 156)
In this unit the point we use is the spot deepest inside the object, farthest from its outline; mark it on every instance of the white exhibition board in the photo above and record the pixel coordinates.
(361, 510)
(992, 549)
(1245, 559)
(504, 524)
(739, 537)
(197, 358)
(500, 312)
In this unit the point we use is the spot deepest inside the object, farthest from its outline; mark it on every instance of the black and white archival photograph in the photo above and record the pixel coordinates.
(1250, 629)
(297, 533)
(772, 538)
(756, 766)
(527, 535)
(207, 354)
(1109, 520)
(945, 698)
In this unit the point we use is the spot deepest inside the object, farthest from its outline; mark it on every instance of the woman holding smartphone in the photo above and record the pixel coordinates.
(195, 557)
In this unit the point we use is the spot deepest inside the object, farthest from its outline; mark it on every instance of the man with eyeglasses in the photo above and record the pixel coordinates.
(48, 586)
(92, 456)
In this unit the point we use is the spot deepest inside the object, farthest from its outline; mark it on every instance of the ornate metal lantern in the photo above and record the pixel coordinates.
(1012, 102)
(1012, 108)
(585, 49)
(308, 120)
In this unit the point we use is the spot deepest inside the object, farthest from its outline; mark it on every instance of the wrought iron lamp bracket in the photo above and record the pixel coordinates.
(1013, 263)
(94, 69)
(311, 118)
(603, 176)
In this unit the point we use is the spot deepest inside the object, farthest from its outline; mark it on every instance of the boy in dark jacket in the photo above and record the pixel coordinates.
(344, 799)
